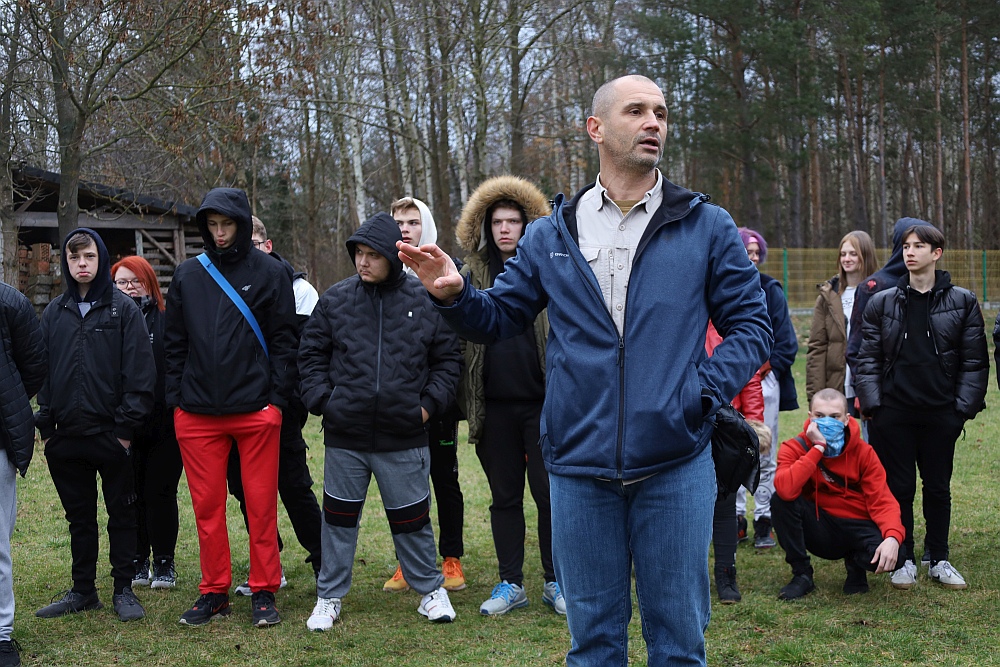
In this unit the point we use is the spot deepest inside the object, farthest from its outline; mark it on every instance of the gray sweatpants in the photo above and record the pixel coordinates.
(769, 463)
(402, 479)
(8, 512)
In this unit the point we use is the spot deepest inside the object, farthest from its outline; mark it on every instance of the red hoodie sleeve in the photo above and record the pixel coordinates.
(795, 467)
(883, 507)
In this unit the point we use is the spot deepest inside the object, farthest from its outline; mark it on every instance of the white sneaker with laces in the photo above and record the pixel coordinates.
(324, 615)
(906, 576)
(437, 607)
(946, 575)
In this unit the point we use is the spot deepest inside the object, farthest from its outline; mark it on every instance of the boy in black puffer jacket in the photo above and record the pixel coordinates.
(922, 371)
(377, 362)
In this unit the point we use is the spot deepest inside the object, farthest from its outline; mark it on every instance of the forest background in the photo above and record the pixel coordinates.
(805, 119)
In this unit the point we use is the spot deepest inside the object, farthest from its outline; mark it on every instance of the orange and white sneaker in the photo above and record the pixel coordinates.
(396, 584)
(454, 578)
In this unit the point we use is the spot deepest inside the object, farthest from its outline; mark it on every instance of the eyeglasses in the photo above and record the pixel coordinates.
(123, 284)
(258, 244)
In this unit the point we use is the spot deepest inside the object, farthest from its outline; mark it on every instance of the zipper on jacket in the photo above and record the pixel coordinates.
(619, 463)
(378, 369)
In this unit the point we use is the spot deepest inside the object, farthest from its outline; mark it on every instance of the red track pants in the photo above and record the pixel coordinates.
(205, 441)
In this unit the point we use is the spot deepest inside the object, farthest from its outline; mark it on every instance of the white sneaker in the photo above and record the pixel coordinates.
(552, 596)
(325, 614)
(437, 607)
(946, 575)
(906, 576)
(244, 588)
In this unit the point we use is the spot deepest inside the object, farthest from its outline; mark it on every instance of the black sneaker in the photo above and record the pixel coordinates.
(164, 575)
(207, 607)
(10, 653)
(264, 612)
(741, 529)
(799, 586)
(762, 538)
(857, 577)
(725, 584)
(127, 605)
(141, 576)
(71, 603)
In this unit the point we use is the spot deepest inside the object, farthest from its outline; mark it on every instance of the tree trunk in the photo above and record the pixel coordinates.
(7, 149)
(855, 144)
(516, 105)
(966, 141)
(883, 197)
(938, 147)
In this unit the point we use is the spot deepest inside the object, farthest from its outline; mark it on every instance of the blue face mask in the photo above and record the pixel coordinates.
(833, 430)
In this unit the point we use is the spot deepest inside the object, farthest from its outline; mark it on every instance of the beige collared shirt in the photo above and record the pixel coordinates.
(609, 239)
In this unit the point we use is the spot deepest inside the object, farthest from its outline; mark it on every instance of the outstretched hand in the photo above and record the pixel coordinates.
(434, 268)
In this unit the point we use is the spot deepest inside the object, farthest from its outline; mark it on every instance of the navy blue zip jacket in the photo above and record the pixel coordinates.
(624, 407)
(373, 354)
(786, 344)
(214, 363)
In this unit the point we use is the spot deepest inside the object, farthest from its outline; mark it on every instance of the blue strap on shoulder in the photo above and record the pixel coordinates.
(235, 298)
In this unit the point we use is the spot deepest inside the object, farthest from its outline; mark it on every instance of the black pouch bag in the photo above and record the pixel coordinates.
(736, 452)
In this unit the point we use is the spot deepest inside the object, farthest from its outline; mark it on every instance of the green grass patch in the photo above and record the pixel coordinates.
(924, 626)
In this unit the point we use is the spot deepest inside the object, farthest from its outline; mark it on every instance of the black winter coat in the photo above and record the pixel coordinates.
(23, 364)
(373, 354)
(101, 369)
(214, 363)
(959, 335)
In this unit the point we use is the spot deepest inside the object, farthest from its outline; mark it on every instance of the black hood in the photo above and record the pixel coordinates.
(381, 233)
(102, 280)
(232, 203)
(895, 267)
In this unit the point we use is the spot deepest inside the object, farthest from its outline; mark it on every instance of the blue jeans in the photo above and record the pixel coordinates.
(661, 525)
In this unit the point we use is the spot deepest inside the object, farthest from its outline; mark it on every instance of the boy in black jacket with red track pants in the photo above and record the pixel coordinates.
(230, 349)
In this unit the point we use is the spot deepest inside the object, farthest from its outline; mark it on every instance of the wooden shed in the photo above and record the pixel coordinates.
(164, 232)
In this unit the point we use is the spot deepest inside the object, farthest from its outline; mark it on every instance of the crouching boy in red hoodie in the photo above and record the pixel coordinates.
(833, 501)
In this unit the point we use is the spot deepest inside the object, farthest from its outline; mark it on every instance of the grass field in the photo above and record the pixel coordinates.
(924, 626)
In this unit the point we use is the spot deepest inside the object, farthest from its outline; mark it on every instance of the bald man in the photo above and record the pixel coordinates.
(631, 270)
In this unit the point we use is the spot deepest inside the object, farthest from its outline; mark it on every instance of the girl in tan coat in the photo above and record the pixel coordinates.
(825, 361)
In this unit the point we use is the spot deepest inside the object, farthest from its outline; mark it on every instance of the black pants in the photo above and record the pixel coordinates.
(508, 448)
(724, 530)
(74, 463)
(442, 439)
(156, 459)
(906, 441)
(294, 485)
(832, 538)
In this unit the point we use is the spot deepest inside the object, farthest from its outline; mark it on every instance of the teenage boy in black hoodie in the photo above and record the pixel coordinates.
(230, 382)
(294, 481)
(98, 391)
(377, 362)
(922, 371)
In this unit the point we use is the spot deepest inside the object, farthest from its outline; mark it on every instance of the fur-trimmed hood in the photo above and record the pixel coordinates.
(470, 231)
